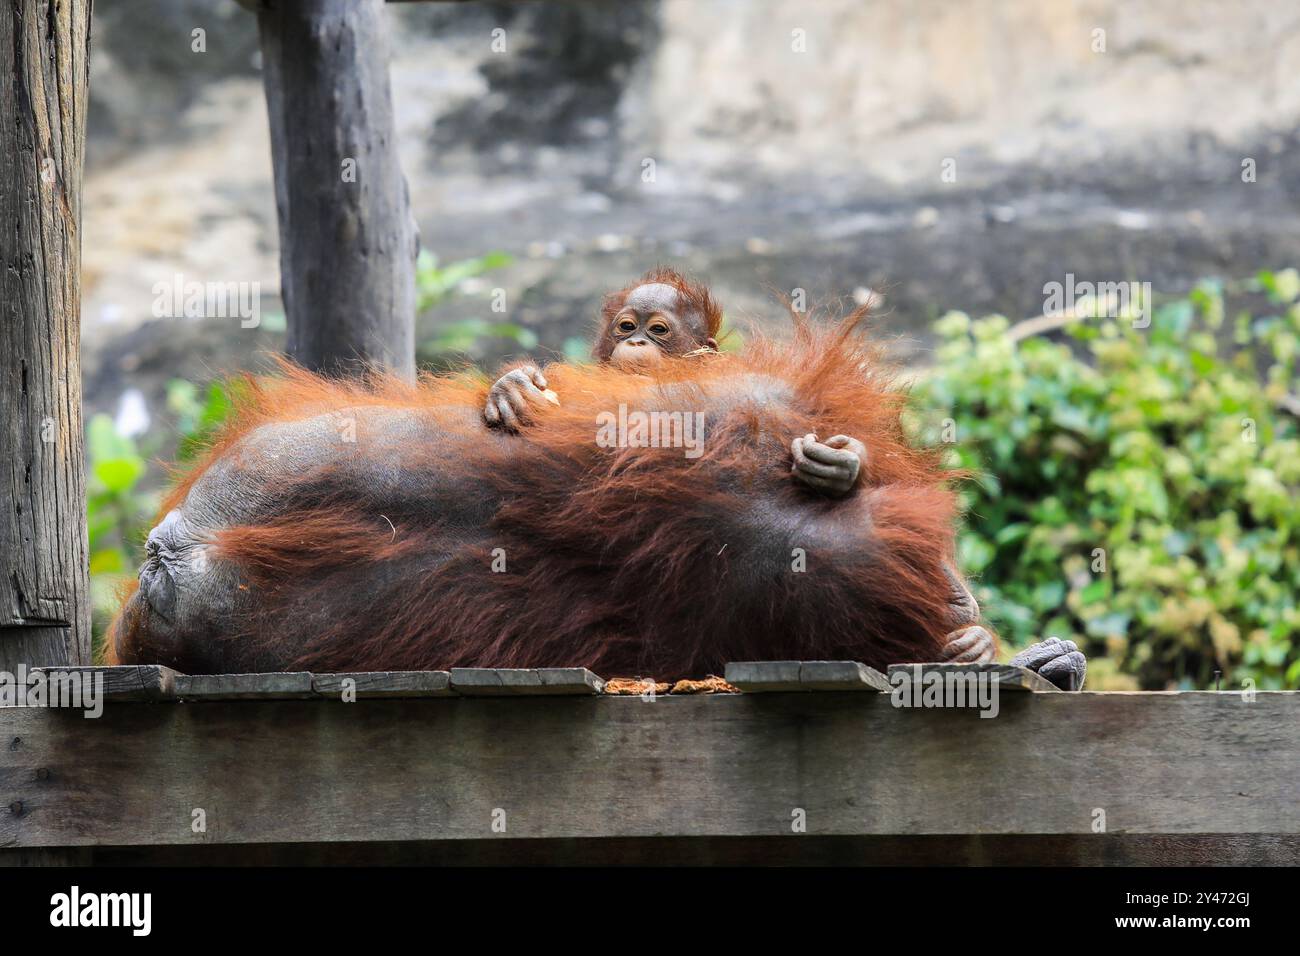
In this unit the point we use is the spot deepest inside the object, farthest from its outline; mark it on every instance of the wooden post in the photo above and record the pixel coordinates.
(44, 587)
(347, 237)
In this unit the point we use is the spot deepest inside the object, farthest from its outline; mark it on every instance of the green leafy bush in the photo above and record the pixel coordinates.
(435, 282)
(452, 340)
(1135, 489)
(116, 512)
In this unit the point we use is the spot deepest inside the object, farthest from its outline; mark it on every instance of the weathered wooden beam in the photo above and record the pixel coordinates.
(1185, 765)
(288, 685)
(150, 682)
(1008, 677)
(381, 684)
(507, 682)
(153, 682)
(348, 239)
(44, 578)
(756, 677)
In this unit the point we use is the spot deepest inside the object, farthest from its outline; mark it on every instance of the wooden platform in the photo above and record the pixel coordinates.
(540, 766)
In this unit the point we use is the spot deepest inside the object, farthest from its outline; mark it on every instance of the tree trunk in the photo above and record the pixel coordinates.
(347, 238)
(44, 589)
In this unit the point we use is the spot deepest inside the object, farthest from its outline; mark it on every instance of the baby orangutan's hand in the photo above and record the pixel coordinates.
(509, 402)
(830, 467)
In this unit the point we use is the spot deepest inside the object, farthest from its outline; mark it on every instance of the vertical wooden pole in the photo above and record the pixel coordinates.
(44, 577)
(347, 238)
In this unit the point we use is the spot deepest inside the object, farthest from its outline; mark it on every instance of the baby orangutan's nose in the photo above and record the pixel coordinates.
(636, 352)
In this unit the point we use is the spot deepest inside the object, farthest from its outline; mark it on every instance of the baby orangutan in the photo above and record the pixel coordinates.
(663, 314)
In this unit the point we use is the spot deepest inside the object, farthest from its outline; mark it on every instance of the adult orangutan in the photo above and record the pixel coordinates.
(653, 524)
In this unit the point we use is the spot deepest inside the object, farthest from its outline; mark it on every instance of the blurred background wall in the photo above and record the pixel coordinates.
(782, 159)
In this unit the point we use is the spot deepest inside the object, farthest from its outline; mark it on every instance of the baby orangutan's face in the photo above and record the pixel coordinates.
(655, 321)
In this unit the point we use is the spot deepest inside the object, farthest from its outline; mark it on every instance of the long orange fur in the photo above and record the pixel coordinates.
(628, 561)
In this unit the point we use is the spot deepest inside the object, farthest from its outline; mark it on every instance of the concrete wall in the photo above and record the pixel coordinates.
(887, 88)
(775, 168)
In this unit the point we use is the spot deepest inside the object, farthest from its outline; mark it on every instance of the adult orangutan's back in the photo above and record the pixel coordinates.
(646, 526)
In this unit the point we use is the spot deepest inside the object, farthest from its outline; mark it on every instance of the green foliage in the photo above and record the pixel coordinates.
(434, 283)
(116, 509)
(1135, 491)
(465, 335)
(197, 420)
(114, 469)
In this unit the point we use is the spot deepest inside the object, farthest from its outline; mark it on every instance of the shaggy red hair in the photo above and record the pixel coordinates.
(628, 561)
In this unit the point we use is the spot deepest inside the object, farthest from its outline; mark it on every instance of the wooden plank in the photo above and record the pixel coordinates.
(384, 684)
(726, 765)
(1008, 677)
(214, 687)
(128, 683)
(499, 682)
(756, 677)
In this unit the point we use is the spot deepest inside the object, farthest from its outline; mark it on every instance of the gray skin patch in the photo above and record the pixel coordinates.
(176, 563)
(1061, 662)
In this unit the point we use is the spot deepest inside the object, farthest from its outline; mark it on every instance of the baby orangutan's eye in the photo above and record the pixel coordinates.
(627, 325)
(659, 328)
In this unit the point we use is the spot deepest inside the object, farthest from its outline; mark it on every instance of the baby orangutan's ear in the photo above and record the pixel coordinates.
(711, 344)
